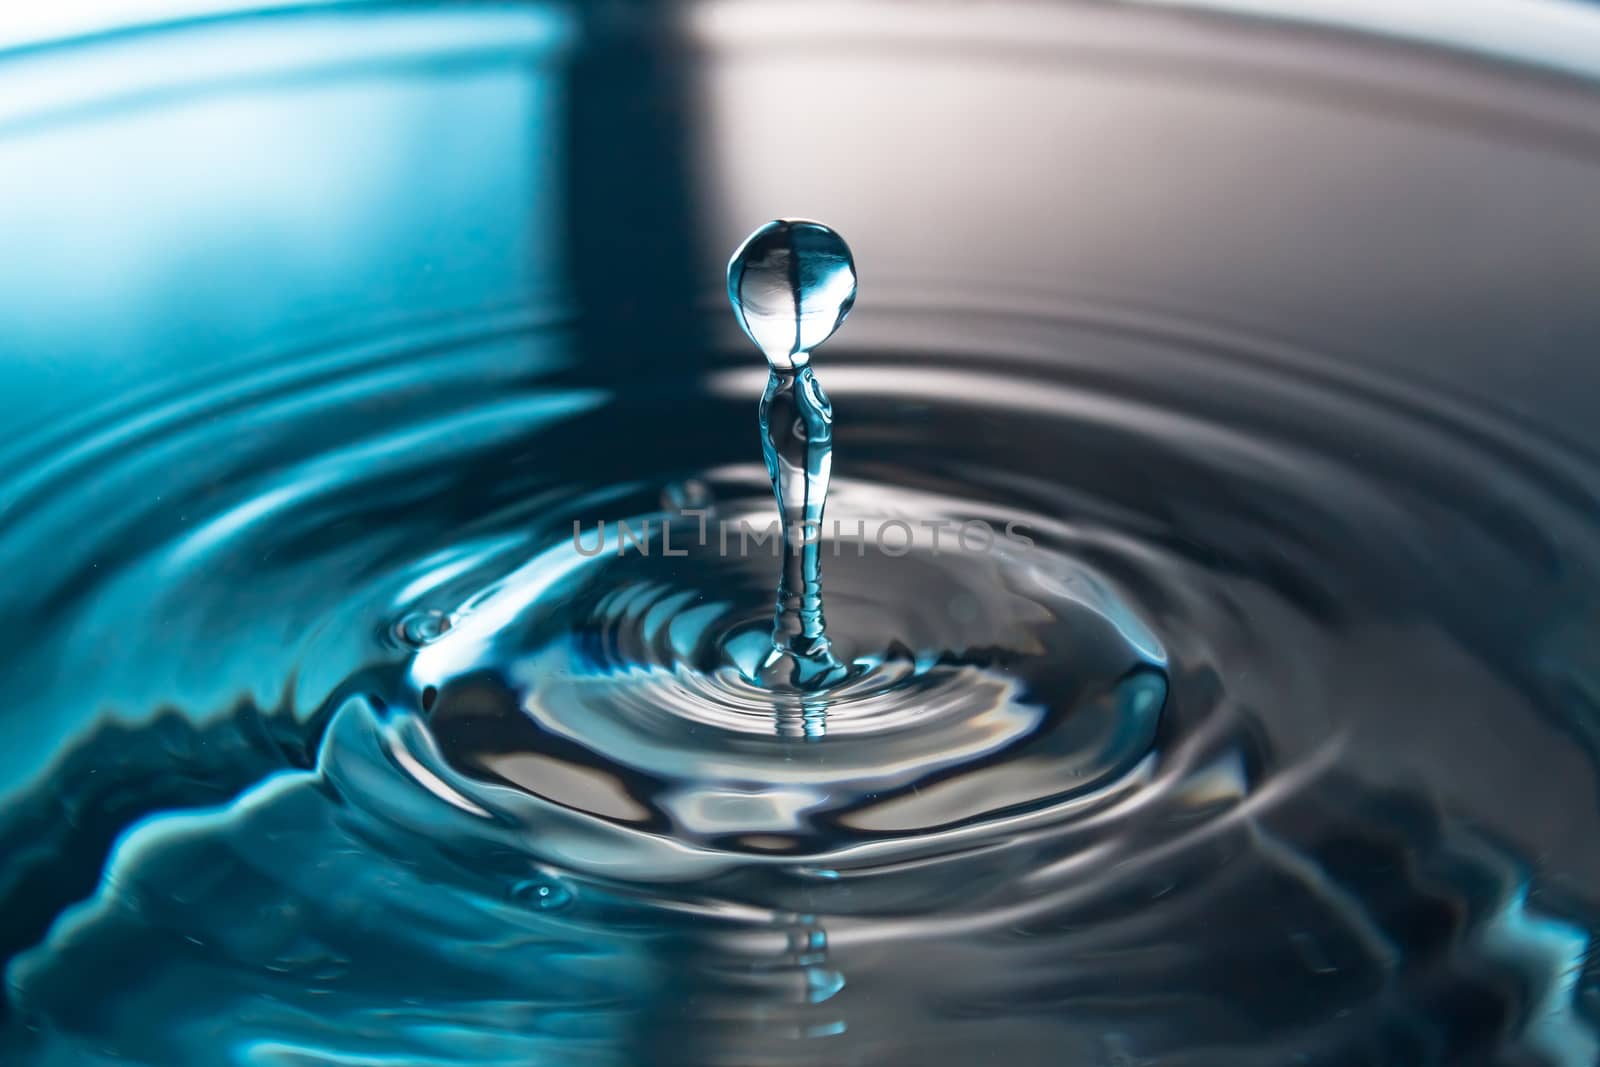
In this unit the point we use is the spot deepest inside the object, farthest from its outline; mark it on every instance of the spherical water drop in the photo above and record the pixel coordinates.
(791, 283)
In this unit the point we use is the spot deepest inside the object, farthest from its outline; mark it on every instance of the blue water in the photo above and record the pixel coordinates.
(415, 694)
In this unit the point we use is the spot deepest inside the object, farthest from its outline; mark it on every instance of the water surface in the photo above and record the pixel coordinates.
(1270, 740)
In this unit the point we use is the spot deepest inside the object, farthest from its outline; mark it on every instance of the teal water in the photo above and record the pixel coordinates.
(415, 693)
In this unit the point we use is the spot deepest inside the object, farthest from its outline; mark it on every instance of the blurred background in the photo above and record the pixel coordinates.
(187, 184)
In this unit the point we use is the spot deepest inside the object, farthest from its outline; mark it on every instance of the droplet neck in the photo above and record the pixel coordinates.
(797, 444)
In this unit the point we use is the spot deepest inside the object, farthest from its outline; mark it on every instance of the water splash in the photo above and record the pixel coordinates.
(791, 283)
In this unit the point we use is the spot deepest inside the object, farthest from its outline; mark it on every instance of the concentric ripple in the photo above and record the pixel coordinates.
(614, 677)
(1221, 755)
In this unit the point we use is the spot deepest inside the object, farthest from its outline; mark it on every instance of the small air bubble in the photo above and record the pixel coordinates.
(422, 628)
(541, 893)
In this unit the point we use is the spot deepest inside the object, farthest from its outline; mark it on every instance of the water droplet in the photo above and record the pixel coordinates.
(546, 894)
(791, 283)
(422, 628)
